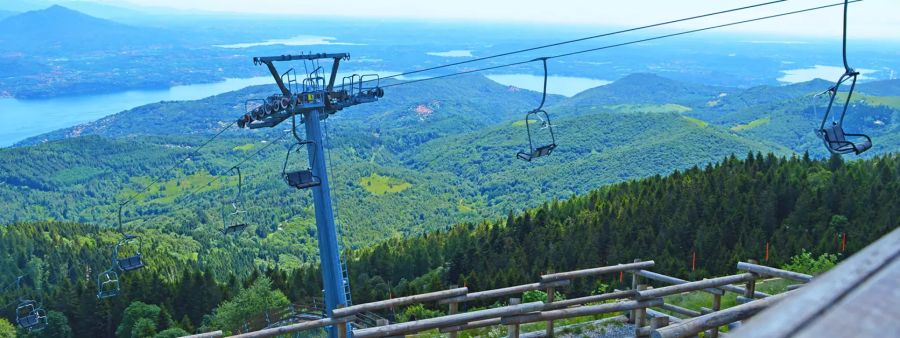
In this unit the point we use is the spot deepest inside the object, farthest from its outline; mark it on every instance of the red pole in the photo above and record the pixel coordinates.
(767, 251)
(621, 275)
(843, 241)
(694, 261)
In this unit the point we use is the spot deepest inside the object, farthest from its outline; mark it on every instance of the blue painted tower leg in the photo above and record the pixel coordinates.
(327, 233)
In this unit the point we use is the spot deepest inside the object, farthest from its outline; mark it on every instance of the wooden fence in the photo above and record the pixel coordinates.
(637, 302)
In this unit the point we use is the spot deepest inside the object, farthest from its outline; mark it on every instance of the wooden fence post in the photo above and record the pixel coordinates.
(551, 296)
(716, 306)
(635, 279)
(342, 327)
(640, 315)
(453, 309)
(513, 329)
(751, 284)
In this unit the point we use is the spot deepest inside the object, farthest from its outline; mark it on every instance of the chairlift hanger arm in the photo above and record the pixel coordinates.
(268, 61)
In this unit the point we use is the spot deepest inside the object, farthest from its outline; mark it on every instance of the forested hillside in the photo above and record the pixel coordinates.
(724, 212)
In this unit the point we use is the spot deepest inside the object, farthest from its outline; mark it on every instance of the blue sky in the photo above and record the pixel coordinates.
(870, 19)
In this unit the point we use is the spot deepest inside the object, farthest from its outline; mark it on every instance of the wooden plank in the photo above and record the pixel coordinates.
(596, 271)
(814, 299)
(770, 271)
(671, 280)
(400, 301)
(694, 286)
(445, 321)
(691, 327)
(870, 310)
(277, 331)
(579, 311)
(495, 293)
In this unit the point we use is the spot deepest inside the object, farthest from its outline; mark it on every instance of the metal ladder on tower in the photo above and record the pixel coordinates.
(345, 274)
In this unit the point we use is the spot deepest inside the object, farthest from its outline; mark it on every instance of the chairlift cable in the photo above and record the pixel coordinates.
(191, 154)
(584, 38)
(622, 44)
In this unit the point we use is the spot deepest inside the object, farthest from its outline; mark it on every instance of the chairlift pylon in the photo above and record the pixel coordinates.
(233, 222)
(833, 135)
(535, 114)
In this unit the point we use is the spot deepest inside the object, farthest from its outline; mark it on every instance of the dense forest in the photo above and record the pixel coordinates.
(723, 212)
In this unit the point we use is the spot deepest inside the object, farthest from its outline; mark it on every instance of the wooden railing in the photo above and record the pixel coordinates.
(637, 302)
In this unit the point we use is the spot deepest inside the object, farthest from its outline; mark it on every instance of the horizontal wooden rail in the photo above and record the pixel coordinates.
(590, 299)
(580, 311)
(487, 294)
(741, 290)
(445, 321)
(400, 301)
(770, 271)
(277, 331)
(472, 325)
(680, 310)
(691, 327)
(694, 286)
(672, 319)
(213, 334)
(671, 280)
(596, 271)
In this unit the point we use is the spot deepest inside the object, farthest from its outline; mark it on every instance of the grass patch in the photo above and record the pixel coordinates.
(887, 101)
(519, 123)
(168, 191)
(75, 174)
(753, 124)
(380, 185)
(246, 147)
(696, 121)
(649, 108)
(462, 207)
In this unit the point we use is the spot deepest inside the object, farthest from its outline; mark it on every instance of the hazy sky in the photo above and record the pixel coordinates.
(874, 19)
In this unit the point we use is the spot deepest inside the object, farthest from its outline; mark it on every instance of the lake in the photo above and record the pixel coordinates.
(830, 73)
(562, 85)
(27, 118)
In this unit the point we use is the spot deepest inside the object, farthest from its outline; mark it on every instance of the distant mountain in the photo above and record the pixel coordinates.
(881, 88)
(44, 31)
(646, 88)
(412, 113)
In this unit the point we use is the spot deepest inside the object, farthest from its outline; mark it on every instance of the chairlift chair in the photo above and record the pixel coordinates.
(234, 224)
(833, 135)
(544, 149)
(125, 260)
(129, 262)
(108, 284)
(300, 179)
(30, 316)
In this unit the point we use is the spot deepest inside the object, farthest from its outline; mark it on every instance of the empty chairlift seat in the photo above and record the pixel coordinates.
(107, 284)
(837, 142)
(129, 261)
